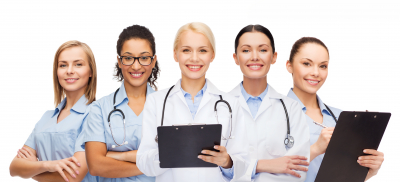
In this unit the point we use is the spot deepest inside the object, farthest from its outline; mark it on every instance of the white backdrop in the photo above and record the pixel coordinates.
(362, 37)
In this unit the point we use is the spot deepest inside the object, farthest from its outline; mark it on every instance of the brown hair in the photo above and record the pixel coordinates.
(304, 40)
(90, 92)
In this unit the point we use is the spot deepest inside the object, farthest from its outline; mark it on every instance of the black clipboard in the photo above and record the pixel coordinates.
(354, 132)
(179, 146)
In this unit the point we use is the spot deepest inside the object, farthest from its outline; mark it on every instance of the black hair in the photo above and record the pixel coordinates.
(137, 32)
(255, 28)
(304, 40)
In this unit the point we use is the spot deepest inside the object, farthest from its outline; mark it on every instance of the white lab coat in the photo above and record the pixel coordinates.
(267, 131)
(177, 112)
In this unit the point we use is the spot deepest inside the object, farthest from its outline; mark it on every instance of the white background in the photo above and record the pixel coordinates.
(362, 37)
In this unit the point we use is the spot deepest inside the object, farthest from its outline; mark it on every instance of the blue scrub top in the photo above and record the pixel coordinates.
(315, 131)
(97, 129)
(56, 141)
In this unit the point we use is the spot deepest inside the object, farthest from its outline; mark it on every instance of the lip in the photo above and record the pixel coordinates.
(136, 74)
(192, 67)
(312, 82)
(255, 67)
(71, 80)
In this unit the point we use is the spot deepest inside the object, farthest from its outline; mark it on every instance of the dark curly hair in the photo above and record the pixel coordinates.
(137, 32)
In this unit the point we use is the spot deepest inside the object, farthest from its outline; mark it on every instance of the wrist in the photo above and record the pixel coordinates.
(229, 163)
(315, 150)
(260, 166)
(45, 165)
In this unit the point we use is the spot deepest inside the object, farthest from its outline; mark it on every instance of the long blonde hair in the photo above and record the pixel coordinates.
(196, 27)
(90, 91)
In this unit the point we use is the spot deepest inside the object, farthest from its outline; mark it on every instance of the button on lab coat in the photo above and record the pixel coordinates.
(177, 112)
(267, 131)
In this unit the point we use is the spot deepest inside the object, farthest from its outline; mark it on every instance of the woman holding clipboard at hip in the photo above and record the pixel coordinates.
(192, 100)
(114, 127)
(308, 64)
(276, 128)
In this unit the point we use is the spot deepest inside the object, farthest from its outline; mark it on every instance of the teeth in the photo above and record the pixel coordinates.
(71, 79)
(255, 66)
(309, 81)
(136, 74)
(194, 67)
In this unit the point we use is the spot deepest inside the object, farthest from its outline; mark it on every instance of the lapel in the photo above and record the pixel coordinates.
(177, 90)
(211, 90)
(238, 93)
(266, 103)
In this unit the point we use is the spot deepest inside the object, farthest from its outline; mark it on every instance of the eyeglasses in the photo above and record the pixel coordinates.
(129, 60)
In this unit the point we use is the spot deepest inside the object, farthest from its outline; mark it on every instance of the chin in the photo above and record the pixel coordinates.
(194, 76)
(136, 83)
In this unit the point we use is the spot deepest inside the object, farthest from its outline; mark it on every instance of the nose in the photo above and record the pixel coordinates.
(70, 70)
(195, 57)
(315, 71)
(136, 65)
(254, 56)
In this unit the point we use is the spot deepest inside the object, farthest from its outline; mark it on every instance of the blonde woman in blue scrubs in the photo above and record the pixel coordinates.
(53, 151)
(111, 144)
(308, 64)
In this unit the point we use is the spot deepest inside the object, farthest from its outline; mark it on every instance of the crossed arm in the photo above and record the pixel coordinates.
(26, 165)
(110, 164)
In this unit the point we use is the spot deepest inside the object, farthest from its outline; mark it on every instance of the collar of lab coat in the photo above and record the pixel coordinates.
(265, 104)
(211, 90)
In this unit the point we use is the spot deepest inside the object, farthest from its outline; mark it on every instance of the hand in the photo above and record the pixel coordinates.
(68, 164)
(286, 164)
(373, 161)
(323, 140)
(116, 155)
(24, 153)
(220, 158)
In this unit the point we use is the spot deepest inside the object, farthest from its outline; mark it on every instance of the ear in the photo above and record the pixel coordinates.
(213, 56)
(289, 67)
(175, 56)
(119, 63)
(154, 61)
(275, 56)
(235, 58)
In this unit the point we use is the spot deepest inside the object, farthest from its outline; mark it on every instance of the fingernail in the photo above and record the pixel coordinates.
(79, 164)
(203, 151)
(199, 157)
(215, 147)
(364, 151)
(359, 158)
(73, 175)
(77, 172)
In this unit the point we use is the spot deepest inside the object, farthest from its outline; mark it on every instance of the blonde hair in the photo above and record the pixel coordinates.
(90, 92)
(196, 27)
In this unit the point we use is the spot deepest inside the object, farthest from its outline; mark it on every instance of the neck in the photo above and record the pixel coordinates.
(73, 97)
(135, 91)
(254, 87)
(308, 99)
(192, 86)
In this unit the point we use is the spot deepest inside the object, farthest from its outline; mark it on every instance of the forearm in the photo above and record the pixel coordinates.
(111, 168)
(56, 177)
(128, 156)
(369, 175)
(314, 152)
(26, 169)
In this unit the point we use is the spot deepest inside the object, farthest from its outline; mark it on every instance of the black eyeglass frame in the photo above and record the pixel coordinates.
(134, 59)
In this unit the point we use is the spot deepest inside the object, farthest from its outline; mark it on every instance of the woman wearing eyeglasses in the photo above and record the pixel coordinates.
(53, 150)
(114, 125)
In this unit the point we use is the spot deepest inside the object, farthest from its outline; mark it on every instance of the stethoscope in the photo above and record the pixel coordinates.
(289, 140)
(109, 122)
(215, 111)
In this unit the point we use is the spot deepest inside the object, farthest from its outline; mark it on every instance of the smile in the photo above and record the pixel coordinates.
(71, 80)
(137, 74)
(194, 67)
(312, 82)
(255, 66)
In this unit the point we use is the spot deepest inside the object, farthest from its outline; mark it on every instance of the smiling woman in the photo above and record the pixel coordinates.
(52, 151)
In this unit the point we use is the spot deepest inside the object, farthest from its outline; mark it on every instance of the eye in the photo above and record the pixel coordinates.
(306, 64)
(128, 58)
(144, 57)
(263, 50)
(324, 66)
(63, 65)
(203, 50)
(245, 50)
(185, 50)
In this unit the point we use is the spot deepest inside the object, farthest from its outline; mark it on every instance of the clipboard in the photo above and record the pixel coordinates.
(354, 132)
(179, 146)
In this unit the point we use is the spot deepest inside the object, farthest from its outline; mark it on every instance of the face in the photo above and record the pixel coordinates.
(194, 54)
(254, 55)
(309, 67)
(73, 69)
(136, 74)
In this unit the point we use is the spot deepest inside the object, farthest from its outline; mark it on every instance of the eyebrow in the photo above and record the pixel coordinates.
(258, 45)
(74, 60)
(312, 60)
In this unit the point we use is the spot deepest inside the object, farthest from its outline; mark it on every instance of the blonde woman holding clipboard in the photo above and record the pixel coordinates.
(308, 64)
(192, 100)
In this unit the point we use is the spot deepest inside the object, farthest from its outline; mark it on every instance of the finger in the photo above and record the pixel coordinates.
(61, 172)
(73, 166)
(288, 171)
(373, 152)
(209, 159)
(297, 157)
(21, 154)
(24, 152)
(75, 160)
(66, 168)
(220, 148)
(371, 157)
(18, 156)
(300, 162)
(25, 149)
(209, 152)
(299, 168)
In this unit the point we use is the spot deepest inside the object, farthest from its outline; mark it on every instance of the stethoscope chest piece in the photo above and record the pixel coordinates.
(289, 141)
